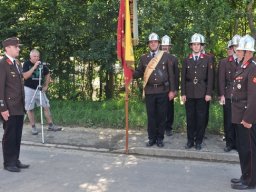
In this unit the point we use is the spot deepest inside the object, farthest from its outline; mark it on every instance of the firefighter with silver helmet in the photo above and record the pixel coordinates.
(155, 67)
(196, 91)
(243, 98)
(166, 46)
(226, 72)
(234, 44)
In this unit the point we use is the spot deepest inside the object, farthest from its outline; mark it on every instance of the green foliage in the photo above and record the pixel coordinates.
(111, 113)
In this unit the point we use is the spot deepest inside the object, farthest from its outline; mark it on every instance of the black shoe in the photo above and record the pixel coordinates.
(234, 180)
(198, 147)
(160, 143)
(22, 166)
(150, 143)
(189, 145)
(228, 148)
(12, 168)
(241, 186)
(169, 132)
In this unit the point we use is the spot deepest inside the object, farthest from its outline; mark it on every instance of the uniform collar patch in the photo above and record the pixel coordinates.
(245, 64)
(230, 58)
(9, 61)
(202, 55)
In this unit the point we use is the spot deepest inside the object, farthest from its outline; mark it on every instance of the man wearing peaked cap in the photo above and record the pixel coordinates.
(243, 98)
(11, 104)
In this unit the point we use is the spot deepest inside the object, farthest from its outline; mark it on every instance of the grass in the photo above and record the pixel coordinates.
(111, 114)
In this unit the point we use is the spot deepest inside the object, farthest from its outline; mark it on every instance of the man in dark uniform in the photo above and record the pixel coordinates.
(11, 104)
(196, 90)
(157, 72)
(243, 98)
(166, 46)
(227, 68)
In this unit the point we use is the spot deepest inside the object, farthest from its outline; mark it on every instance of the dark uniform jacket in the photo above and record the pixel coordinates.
(227, 68)
(11, 87)
(175, 71)
(244, 94)
(197, 77)
(162, 78)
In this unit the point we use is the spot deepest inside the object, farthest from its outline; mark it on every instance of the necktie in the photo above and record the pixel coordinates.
(196, 57)
(236, 61)
(14, 63)
(153, 54)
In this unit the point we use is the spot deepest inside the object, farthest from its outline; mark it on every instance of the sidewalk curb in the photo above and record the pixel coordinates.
(62, 146)
(153, 152)
(186, 154)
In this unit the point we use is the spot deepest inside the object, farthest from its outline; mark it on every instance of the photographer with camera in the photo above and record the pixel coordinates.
(31, 74)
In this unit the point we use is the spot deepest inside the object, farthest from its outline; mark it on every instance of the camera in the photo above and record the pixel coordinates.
(42, 64)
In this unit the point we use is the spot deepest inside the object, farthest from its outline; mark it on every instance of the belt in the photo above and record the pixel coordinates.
(235, 100)
(195, 81)
(156, 85)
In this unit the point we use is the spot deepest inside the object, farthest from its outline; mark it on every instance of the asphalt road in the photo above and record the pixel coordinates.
(66, 170)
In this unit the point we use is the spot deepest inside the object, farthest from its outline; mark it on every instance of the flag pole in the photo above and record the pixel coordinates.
(126, 118)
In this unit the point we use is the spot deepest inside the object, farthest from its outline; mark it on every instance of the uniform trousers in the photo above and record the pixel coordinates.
(196, 116)
(229, 129)
(156, 105)
(170, 115)
(12, 139)
(246, 145)
(207, 115)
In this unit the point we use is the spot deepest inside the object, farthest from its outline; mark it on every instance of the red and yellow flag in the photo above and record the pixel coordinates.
(124, 40)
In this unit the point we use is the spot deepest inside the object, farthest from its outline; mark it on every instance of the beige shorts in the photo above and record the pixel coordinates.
(32, 99)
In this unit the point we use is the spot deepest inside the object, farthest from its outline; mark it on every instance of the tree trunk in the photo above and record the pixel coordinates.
(236, 26)
(109, 89)
(101, 85)
(250, 18)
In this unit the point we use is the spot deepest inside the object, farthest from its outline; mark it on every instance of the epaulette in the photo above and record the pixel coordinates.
(190, 56)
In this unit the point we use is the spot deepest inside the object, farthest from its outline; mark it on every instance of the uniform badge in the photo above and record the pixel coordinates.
(239, 86)
(239, 78)
(254, 80)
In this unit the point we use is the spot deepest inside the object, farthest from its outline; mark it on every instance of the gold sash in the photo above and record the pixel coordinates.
(150, 68)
